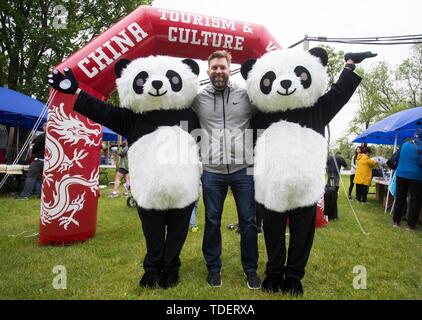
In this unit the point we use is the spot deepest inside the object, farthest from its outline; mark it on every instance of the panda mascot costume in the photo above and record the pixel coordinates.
(155, 94)
(288, 89)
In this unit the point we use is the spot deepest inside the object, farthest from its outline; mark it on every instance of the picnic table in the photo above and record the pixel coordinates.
(381, 190)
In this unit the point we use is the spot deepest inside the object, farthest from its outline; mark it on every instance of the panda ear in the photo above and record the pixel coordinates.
(321, 54)
(246, 67)
(119, 66)
(192, 64)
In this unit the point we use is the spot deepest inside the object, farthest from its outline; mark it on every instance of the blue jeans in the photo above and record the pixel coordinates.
(215, 186)
(192, 220)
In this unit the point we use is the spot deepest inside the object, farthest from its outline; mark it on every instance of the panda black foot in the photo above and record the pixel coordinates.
(168, 280)
(149, 279)
(270, 284)
(294, 286)
(358, 57)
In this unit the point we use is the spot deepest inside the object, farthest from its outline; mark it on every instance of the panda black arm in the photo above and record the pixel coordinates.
(120, 120)
(340, 93)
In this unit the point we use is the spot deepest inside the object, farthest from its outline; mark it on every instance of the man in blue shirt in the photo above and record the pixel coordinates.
(409, 179)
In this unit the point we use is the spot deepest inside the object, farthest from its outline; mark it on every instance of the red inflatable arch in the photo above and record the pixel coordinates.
(73, 144)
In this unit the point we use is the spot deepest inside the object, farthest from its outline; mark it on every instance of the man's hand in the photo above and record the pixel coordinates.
(65, 83)
(358, 57)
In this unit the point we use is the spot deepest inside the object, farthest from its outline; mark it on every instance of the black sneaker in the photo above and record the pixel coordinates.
(411, 228)
(214, 279)
(253, 281)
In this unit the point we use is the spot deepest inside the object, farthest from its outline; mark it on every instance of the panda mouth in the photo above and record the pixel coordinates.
(287, 92)
(158, 94)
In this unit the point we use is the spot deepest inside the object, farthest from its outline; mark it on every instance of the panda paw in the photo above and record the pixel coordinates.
(271, 284)
(294, 286)
(65, 83)
(358, 57)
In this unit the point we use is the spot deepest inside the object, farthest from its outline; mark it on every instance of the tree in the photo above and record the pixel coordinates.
(37, 35)
(335, 64)
(345, 148)
(379, 96)
(410, 71)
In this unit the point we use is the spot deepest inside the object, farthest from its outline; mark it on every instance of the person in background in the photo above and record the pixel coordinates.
(192, 221)
(334, 164)
(37, 165)
(363, 175)
(353, 165)
(122, 171)
(3, 143)
(409, 180)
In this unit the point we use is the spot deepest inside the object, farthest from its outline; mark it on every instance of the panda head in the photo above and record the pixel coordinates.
(286, 79)
(156, 83)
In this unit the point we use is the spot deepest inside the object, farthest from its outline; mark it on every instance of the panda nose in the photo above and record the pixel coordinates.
(156, 84)
(286, 84)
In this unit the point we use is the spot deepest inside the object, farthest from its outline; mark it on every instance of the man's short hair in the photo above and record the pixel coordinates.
(220, 54)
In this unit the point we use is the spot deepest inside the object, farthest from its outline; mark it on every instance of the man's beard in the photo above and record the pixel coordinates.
(221, 83)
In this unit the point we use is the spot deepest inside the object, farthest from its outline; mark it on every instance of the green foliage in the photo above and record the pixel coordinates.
(410, 71)
(346, 149)
(335, 63)
(108, 266)
(384, 91)
(31, 44)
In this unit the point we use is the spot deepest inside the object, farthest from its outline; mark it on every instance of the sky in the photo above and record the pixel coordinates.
(290, 21)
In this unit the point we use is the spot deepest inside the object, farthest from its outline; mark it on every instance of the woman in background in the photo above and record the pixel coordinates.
(354, 163)
(363, 175)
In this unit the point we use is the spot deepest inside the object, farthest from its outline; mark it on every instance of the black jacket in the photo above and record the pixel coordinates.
(331, 165)
(39, 146)
(130, 124)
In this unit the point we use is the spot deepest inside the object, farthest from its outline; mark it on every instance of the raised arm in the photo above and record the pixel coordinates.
(120, 120)
(340, 93)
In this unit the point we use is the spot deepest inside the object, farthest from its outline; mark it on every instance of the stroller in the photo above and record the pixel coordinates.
(131, 202)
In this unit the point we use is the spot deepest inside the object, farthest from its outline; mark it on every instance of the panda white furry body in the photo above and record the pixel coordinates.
(164, 169)
(284, 178)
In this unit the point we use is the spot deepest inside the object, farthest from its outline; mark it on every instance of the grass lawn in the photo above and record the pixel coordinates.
(108, 266)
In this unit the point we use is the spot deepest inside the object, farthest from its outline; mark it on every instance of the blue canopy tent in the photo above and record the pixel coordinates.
(19, 110)
(393, 129)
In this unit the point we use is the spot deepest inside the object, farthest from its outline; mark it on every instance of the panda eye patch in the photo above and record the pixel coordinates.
(267, 82)
(139, 82)
(175, 80)
(304, 76)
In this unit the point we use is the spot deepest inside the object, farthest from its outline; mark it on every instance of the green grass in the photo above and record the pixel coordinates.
(108, 266)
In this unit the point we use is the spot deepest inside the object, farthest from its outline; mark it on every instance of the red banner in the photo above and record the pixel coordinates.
(73, 144)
